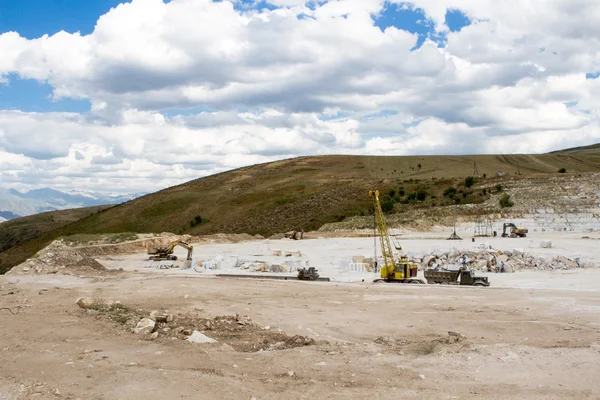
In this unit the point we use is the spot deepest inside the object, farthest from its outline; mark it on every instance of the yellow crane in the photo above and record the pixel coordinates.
(391, 271)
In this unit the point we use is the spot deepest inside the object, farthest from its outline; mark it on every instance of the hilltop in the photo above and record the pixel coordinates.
(308, 192)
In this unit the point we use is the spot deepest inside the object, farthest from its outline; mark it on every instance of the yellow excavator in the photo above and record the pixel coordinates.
(513, 231)
(166, 253)
(400, 271)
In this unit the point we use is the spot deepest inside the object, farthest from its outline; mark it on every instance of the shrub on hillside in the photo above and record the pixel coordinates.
(387, 205)
(505, 201)
(469, 181)
(450, 192)
(196, 221)
(498, 187)
(562, 170)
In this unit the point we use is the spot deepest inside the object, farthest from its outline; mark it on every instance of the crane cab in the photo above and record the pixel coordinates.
(400, 272)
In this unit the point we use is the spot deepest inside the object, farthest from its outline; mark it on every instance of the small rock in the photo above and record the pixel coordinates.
(154, 336)
(235, 366)
(422, 376)
(57, 392)
(454, 333)
(198, 337)
(145, 326)
(84, 302)
(321, 364)
(186, 332)
(42, 290)
(266, 328)
(290, 373)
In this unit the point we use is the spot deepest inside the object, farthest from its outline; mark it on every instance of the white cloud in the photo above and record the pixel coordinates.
(273, 80)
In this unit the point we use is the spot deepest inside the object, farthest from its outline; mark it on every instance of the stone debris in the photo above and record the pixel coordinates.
(160, 317)
(494, 260)
(144, 327)
(197, 337)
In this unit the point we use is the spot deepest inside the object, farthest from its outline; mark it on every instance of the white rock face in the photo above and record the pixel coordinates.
(197, 337)
(144, 327)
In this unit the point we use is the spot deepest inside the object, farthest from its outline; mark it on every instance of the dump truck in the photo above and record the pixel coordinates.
(467, 277)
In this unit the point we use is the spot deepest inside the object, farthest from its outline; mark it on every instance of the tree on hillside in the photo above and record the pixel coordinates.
(419, 165)
(387, 205)
(196, 221)
(469, 181)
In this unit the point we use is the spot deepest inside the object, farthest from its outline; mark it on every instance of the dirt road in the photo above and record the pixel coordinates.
(371, 341)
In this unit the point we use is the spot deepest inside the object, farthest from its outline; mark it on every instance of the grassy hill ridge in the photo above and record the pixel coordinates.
(301, 193)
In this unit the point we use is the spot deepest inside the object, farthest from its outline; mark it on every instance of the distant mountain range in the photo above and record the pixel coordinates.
(15, 204)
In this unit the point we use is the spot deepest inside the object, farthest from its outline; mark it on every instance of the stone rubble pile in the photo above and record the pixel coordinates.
(488, 259)
(290, 261)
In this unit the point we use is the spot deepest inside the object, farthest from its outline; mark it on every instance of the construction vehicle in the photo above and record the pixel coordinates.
(166, 253)
(400, 271)
(467, 277)
(294, 235)
(514, 231)
(308, 274)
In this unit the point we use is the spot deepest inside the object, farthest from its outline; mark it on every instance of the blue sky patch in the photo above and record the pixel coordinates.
(32, 96)
(380, 114)
(404, 16)
(594, 75)
(571, 104)
(34, 18)
(456, 20)
(245, 5)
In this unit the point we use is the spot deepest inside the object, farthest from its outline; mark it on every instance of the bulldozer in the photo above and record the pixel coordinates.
(513, 230)
(166, 253)
(308, 274)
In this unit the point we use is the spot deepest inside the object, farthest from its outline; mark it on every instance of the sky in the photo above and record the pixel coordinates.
(139, 95)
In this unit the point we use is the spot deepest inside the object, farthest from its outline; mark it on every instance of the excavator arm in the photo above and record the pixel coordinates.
(165, 253)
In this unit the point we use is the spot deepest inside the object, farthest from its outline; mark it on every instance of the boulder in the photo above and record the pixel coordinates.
(85, 302)
(197, 337)
(144, 327)
(428, 260)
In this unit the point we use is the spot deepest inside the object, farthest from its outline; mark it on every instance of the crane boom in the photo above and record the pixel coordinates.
(402, 271)
(384, 237)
